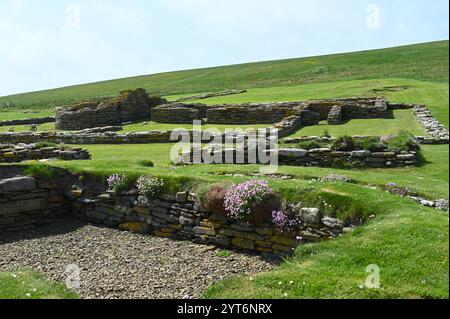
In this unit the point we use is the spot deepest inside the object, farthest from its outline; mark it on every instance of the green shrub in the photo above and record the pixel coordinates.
(147, 163)
(120, 183)
(309, 145)
(326, 133)
(404, 141)
(45, 144)
(373, 144)
(345, 143)
(150, 186)
(42, 171)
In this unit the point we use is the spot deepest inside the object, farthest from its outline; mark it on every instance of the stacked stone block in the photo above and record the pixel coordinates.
(24, 204)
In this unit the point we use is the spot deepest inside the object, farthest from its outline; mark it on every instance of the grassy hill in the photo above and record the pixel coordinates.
(425, 62)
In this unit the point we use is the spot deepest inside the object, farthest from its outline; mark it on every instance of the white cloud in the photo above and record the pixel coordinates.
(42, 57)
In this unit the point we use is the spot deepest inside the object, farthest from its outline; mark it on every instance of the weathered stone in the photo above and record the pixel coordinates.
(292, 152)
(139, 228)
(333, 222)
(204, 231)
(281, 248)
(243, 227)
(361, 154)
(243, 243)
(285, 241)
(264, 231)
(142, 210)
(186, 221)
(18, 184)
(310, 216)
(181, 197)
(384, 154)
(30, 205)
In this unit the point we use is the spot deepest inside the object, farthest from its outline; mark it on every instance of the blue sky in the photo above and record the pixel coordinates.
(53, 43)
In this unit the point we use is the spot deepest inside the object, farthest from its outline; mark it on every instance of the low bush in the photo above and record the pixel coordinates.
(309, 145)
(404, 141)
(43, 171)
(150, 186)
(345, 144)
(120, 182)
(373, 144)
(147, 163)
(286, 221)
(251, 201)
(45, 144)
(215, 199)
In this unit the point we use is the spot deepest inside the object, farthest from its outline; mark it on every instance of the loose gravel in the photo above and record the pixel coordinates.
(115, 264)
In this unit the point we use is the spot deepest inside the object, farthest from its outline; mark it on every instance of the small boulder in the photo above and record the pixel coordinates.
(18, 184)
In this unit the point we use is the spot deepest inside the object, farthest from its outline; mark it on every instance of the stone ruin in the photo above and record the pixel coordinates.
(131, 105)
(134, 105)
(312, 112)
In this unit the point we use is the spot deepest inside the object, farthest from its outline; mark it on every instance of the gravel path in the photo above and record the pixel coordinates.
(116, 264)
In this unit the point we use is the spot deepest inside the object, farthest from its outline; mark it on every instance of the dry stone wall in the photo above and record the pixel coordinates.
(130, 105)
(90, 138)
(176, 113)
(321, 157)
(438, 132)
(10, 153)
(40, 120)
(180, 217)
(24, 203)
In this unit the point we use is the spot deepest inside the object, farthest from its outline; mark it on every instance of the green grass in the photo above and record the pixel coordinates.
(425, 62)
(407, 242)
(434, 95)
(17, 115)
(152, 126)
(402, 119)
(430, 179)
(27, 284)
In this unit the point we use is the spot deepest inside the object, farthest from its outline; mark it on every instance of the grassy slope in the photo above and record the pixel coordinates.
(426, 62)
(435, 95)
(408, 242)
(31, 285)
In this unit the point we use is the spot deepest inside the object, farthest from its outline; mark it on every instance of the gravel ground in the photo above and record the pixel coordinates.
(116, 264)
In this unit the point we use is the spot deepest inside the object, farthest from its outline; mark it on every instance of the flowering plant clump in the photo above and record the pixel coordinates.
(149, 186)
(286, 222)
(115, 180)
(240, 199)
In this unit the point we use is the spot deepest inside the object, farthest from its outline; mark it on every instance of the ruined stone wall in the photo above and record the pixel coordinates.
(177, 113)
(128, 106)
(240, 114)
(180, 217)
(89, 138)
(24, 203)
(40, 120)
(321, 157)
(10, 153)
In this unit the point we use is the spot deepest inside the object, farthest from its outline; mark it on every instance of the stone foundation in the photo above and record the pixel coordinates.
(335, 115)
(180, 217)
(18, 153)
(322, 157)
(24, 203)
(40, 120)
(130, 105)
(438, 132)
(176, 113)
